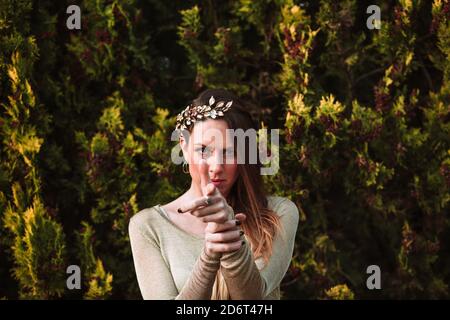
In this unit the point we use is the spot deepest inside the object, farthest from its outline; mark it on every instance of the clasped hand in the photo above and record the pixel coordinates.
(222, 232)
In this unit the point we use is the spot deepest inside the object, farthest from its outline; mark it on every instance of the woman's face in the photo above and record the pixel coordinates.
(210, 142)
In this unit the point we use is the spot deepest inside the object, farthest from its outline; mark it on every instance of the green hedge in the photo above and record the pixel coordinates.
(86, 117)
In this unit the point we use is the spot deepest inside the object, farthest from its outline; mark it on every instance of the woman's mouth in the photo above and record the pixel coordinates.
(217, 182)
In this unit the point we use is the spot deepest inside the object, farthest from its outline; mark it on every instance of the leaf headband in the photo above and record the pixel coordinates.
(191, 114)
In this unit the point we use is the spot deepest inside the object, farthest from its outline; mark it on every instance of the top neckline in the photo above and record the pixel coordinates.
(164, 214)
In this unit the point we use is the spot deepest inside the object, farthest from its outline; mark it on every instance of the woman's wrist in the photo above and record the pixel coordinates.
(212, 256)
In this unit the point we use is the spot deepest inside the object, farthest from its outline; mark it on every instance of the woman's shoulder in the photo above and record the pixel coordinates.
(283, 206)
(145, 219)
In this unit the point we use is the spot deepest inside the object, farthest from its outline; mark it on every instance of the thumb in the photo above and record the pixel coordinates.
(210, 189)
(204, 177)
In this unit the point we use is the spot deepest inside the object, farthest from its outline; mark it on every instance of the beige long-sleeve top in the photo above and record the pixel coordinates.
(171, 263)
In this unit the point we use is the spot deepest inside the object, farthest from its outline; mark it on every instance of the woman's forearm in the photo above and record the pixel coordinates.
(200, 283)
(243, 279)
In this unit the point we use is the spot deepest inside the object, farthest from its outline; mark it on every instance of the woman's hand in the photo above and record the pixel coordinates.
(212, 206)
(222, 232)
(224, 237)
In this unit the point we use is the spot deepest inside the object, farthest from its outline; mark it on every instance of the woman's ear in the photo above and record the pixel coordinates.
(184, 147)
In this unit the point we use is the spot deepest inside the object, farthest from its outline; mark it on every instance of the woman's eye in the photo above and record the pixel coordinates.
(204, 150)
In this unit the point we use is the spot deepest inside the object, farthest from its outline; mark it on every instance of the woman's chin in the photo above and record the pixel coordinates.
(223, 190)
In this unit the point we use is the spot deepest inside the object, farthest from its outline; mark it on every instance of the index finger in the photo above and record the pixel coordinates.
(196, 203)
(213, 227)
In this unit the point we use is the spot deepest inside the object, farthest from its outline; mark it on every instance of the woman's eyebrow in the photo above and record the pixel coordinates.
(223, 149)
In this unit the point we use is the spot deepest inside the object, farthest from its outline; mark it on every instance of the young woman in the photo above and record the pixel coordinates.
(224, 238)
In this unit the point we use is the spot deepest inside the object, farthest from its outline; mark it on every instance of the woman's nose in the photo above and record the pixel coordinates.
(216, 163)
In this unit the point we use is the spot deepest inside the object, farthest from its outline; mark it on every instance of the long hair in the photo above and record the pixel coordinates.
(248, 194)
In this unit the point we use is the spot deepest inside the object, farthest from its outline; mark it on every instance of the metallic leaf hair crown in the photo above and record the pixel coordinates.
(191, 114)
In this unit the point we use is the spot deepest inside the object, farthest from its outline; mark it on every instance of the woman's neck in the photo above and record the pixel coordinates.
(194, 192)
